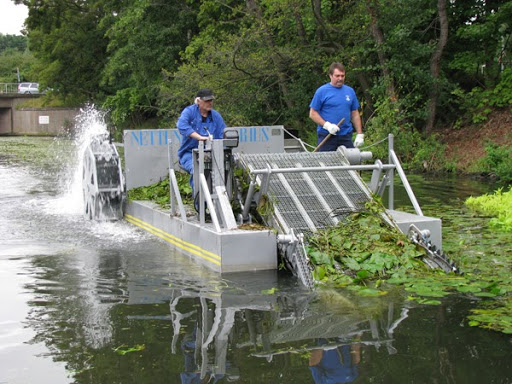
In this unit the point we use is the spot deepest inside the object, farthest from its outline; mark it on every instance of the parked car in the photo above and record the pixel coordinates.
(28, 88)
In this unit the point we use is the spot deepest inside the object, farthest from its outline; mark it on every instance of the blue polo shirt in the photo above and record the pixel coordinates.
(191, 121)
(333, 104)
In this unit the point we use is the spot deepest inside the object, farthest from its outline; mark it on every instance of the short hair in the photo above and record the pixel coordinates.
(336, 65)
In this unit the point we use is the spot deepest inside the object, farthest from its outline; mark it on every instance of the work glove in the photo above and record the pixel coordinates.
(359, 140)
(331, 128)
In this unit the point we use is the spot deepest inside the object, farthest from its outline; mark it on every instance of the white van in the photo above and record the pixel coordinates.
(28, 88)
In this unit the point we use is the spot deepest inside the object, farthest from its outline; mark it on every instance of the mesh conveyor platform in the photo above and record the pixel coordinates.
(308, 200)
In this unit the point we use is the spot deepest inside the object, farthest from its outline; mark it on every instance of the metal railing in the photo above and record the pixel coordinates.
(9, 87)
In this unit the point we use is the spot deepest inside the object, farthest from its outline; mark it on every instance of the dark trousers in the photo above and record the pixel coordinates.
(334, 142)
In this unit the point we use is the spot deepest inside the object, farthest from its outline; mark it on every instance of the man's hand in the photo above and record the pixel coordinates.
(331, 128)
(359, 140)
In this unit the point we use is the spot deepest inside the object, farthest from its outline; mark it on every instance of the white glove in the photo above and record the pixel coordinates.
(331, 128)
(359, 140)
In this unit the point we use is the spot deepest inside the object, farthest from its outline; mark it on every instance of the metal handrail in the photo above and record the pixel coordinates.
(322, 169)
(9, 87)
(174, 189)
(393, 159)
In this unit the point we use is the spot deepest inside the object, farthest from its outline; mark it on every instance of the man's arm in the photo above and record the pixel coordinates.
(197, 136)
(328, 126)
(315, 357)
(185, 127)
(315, 116)
(355, 117)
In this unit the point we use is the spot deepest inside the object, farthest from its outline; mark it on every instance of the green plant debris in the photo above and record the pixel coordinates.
(254, 227)
(124, 349)
(369, 257)
(498, 205)
(493, 316)
(159, 192)
(363, 248)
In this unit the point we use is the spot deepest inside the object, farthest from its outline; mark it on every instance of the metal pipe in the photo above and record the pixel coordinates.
(170, 158)
(201, 191)
(391, 178)
(407, 186)
(247, 204)
(209, 203)
(322, 169)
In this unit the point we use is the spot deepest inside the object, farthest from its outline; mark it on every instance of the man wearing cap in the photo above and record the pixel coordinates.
(198, 122)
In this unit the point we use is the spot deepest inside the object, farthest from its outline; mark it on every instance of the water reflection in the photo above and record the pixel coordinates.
(100, 311)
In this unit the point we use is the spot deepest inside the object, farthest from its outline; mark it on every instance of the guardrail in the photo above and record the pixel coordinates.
(9, 87)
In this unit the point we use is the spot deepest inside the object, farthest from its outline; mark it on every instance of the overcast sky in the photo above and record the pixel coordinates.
(12, 17)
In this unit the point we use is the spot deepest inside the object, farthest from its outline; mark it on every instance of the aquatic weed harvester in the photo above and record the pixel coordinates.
(279, 183)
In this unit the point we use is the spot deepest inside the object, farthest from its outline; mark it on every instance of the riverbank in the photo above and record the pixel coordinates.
(466, 145)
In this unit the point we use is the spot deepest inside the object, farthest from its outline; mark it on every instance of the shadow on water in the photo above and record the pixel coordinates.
(105, 303)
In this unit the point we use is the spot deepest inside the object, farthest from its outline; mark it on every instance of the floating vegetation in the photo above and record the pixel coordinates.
(498, 205)
(159, 192)
(363, 248)
(46, 152)
(124, 349)
(369, 256)
(493, 316)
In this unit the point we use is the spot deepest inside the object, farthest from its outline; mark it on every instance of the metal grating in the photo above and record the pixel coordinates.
(307, 201)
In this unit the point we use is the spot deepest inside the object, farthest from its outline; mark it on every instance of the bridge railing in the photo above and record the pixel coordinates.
(9, 87)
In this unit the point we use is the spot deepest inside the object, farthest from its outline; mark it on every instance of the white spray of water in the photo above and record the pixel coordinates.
(70, 203)
(89, 123)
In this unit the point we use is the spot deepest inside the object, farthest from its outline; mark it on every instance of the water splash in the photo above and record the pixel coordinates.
(88, 124)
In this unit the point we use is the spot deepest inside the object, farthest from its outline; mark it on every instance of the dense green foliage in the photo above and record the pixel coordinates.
(363, 247)
(14, 59)
(13, 42)
(497, 205)
(498, 162)
(413, 65)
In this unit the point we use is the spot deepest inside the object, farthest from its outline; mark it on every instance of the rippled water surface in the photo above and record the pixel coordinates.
(90, 302)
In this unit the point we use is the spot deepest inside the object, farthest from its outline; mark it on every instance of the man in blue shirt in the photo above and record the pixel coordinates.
(335, 365)
(335, 110)
(198, 122)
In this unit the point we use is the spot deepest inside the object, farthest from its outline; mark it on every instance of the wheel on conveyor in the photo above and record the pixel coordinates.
(102, 180)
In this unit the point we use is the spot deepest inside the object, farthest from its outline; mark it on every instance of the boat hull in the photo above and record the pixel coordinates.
(226, 251)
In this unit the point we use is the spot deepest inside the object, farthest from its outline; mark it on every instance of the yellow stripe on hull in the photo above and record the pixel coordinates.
(188, 247)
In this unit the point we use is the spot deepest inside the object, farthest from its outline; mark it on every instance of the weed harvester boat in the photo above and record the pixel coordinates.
(291, 191)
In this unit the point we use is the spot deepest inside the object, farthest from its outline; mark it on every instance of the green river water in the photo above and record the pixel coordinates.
(89, 302)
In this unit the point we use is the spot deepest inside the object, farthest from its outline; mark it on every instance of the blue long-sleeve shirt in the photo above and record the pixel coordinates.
(191, 121)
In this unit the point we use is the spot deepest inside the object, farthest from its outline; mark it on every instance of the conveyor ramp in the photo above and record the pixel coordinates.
(306, 189)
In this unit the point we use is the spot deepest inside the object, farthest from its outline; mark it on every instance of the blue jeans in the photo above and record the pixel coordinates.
(187, 165)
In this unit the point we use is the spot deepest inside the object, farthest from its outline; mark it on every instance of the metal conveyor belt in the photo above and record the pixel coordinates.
(307, 201)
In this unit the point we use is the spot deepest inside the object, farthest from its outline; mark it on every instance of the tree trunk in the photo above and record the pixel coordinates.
(435, 65)
(378, 36)
(317, 11)
(254, 9)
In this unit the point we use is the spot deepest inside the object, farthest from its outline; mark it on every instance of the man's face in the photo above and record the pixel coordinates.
(205, 105)
(337, 78)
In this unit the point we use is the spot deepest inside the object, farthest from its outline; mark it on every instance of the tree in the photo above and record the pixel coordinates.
(145, 38)
(435, 64)
(66, 38)
(15, 42)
